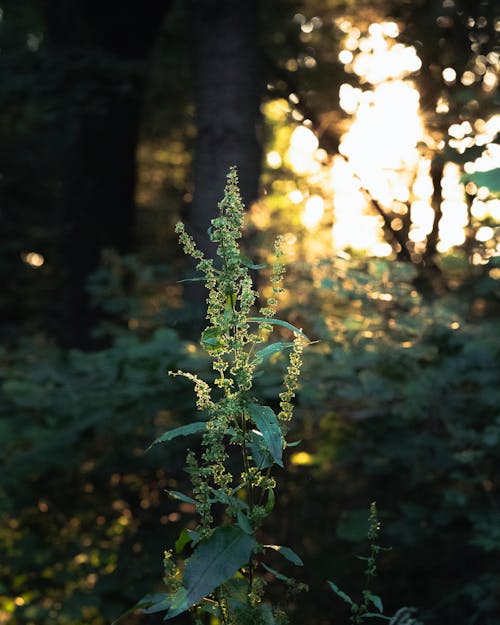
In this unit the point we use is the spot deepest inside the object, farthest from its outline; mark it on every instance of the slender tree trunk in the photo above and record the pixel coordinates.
(228, 95)
(103, 49)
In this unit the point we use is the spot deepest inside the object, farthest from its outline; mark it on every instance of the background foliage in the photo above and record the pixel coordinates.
(399, 400)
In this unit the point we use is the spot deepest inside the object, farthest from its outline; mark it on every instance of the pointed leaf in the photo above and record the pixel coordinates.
(147, 602)
(179, 603)
(270, 350)
(287, 553)
(182, 541)
(157, 602)
(259, 450)
(376, 600)
(183, 430)
(191, 280)
(175, 494)
(278, 322)
(247, 262)
(215, 560)
(277, 574)
(340, 593)
(268, 425)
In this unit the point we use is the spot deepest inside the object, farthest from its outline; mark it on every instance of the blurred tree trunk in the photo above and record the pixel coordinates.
(103, 48)
(228, 95)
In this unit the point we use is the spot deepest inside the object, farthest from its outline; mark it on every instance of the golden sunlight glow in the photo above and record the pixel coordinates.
(454, 207)
(301, 153)
(33, 259)
(383, 154)
(302, 458)
(313, 212)
(273, 159)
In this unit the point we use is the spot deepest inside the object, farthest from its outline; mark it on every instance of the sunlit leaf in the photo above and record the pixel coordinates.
(270, 350)
(278, 322)
(268, 425)
(287, 553)
(175, 494)
(182, 541)
(247, 262)
(260, 453)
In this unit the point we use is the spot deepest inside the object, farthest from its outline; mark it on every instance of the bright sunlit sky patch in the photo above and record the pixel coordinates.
(381, 153)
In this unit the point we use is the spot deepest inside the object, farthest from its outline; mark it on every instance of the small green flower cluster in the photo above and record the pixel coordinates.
(232, 485)
(232, 344)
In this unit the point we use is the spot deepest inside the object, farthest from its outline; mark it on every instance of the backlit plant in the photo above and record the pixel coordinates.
(241, 440)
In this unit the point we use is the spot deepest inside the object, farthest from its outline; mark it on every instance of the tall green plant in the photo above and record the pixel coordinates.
(241, 440)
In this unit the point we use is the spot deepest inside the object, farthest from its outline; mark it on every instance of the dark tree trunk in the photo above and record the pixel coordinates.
(228, 95)
(103, 48)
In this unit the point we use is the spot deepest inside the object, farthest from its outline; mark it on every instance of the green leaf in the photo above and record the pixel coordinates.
(376, 600)
(294, 444)
(270, 350)
(259, 451)
(201, 279)
(287, 553)
(247, 262)
(175, 494)
(270, 502)
(376, 615)
(215, 560)
(340, 593)
(183, 430)
(278, 322)
(148, 604)
(182, 541)
(268, 425)
(210, 338)
(244, 523)
(228, 500)
(159, 606)
(277, 574)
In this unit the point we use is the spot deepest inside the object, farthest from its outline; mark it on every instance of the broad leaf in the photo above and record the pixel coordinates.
(287, 553)
(183, 430)
(215, 560)
(268, 425)
(278, 322)
(259, 451)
